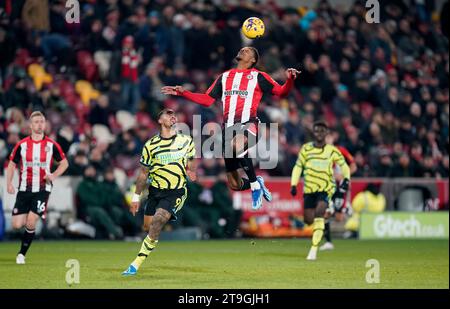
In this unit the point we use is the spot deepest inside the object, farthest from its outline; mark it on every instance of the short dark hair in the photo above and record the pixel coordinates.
(256, 54)
(163, 111)
(320, 123)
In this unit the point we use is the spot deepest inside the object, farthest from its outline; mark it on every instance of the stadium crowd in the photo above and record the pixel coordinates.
(382, 87)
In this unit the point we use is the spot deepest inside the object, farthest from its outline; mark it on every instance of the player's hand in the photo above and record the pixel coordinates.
(49, 177)
(192, 175)
(134, 208)
(10, 188)
(292, 73)
(172, 90)
(293, 190)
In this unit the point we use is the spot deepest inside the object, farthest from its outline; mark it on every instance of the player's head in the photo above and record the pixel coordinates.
(248, 55)
(320, 131)
(167, 118)
(37, 122)
(90, 172)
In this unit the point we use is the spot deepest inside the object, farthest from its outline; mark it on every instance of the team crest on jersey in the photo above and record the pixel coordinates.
(15, 211)
(47, 149)
(249, 76)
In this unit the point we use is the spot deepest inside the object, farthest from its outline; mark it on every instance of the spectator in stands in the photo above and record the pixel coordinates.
(77, 164)
(99, 113)
(399, 67)
(91, 201)
(17, 95)
(35, 14)
(404, 167)
(114, 204)
(229, 217)
(129, 75)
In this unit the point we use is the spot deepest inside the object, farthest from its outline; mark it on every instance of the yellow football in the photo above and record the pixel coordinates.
(253, 27)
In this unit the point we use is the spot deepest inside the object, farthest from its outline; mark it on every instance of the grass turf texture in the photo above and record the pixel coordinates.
(243, 263)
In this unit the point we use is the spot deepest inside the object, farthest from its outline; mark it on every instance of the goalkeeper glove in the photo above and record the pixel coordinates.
(338, 201)
(338, 198)
(343, 187)
(293, 190)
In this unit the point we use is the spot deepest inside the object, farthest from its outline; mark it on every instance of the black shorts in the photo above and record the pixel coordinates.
(250, 131)
(310, 200)
(31, 201)
(171, 200)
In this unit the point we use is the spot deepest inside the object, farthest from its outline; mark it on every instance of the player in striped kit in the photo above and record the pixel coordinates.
(240, 90)
(33, 156)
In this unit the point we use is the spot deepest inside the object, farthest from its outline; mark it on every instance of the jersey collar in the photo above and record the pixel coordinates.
(167, 138)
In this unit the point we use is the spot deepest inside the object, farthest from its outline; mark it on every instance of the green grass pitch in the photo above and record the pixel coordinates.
(278, 263)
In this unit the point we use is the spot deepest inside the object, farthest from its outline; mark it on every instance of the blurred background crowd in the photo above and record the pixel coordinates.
(383, 88)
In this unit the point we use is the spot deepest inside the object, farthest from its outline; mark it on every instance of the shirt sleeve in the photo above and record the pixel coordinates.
(15, 154)
(206, 99)
(298, 168)
(58, 153)
(145, 157)
(215, 90)
(269, 85)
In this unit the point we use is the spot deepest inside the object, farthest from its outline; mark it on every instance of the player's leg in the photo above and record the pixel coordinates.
(328, 245)
(28, 235)
(309, 205)
(235, 181)
(329, 213)
(161, 207)
(157, 223)
(147, 222)
(318, 224)
(20, 210)
(18, 221)
(244, 142)
(231, 143)
(239, 144)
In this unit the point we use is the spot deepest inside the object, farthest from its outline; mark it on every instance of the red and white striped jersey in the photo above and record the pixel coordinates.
(34, 159)
(240, 92)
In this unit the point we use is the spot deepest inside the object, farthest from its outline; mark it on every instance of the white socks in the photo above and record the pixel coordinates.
(255, 185)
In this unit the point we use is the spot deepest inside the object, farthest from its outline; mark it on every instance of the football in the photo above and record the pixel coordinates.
(253, 27)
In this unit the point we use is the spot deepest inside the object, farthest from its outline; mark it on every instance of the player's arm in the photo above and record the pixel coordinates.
(206, 99)
(269, 85)
(9, 177)
(297, 172)
(191, 167)
(14, 159)
(339, 159)
(63, 164)
(141, 182)
(62, 167)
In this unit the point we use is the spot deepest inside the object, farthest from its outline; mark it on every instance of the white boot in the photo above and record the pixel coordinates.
(326, 246)
(312, 255)
(20, 259)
